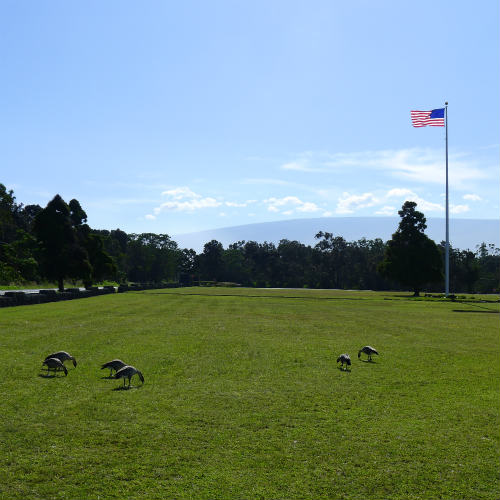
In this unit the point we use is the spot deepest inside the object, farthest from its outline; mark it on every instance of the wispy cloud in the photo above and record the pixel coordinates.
(183, 199)
(472, 197)
(349, 203)
(386, 210)
(459, 209)
(416, 164)
(399, 193)
(291, 204)
(180, 193)
(238, 205)
(300, 165)
(405, 194)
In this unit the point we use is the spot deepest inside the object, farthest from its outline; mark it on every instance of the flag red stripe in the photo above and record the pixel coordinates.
(422, 119)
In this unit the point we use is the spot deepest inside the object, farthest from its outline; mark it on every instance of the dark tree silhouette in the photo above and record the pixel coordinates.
(411, 258)
(60, 253)
(211, 261)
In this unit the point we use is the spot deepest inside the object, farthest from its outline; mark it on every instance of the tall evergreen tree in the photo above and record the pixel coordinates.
(411, 258)
(61, 254)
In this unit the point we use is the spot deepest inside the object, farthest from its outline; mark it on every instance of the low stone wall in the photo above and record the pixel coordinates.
(9, 299)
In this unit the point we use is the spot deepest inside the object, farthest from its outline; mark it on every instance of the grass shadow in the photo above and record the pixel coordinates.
(368, 361)
(126, 387)
(215, 295)
(48, 375)
(472, 311)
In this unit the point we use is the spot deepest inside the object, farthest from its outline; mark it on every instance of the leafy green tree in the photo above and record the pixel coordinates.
(187, 265)
(151, 257)
(17, 262)
(411, 258)
(212, 262)
(27, 216)
(295, 262)
(234, 263)
(333, 259)
(262, 263)
(489, 263)
(8, 208)
(61, 254)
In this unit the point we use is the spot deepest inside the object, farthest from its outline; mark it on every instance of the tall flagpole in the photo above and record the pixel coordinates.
(447, 248)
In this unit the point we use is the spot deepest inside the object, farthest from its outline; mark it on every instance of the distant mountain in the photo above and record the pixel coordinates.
(464, 233)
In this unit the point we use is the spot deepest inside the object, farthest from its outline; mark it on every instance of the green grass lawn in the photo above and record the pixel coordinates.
(243, 398)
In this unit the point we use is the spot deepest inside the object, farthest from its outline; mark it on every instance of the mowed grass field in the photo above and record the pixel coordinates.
(243, 397)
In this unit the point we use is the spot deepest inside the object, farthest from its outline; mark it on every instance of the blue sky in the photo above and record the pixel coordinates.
(173, 117)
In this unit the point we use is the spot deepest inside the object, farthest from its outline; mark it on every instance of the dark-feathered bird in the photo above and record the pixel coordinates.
(128, 372)
(62, 356)
(368, 350)
(55, 364)
(115, 365)
(344, 358)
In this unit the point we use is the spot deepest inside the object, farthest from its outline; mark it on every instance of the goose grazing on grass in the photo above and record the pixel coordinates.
(55, 364)
(62, 356)
(128, 372)
(115, 365)
(344, 358)
(368, 350)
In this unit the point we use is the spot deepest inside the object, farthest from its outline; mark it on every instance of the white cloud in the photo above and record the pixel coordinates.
(279, 202)
(299, 165)
(291, 203)
(399, 193)
(308, 207)
(427, 206)
(416, 164)
(405, 194)
(386, 210)
(327, 213)
(180, 193)
(183, 199)
(459, 209)
(189, 205)
(349, 203)
(150, 217)
(234, 204)
(472, 197)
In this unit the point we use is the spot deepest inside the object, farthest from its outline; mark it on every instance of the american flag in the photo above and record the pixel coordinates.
(433, 118)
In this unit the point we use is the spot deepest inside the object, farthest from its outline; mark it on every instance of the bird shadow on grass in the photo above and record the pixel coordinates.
(368, 361)
(109, 377)
(126, 388)
(346, 370)
(47, 375)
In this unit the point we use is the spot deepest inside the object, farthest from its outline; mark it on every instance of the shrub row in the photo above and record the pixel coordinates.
(42, 296)
(137, 287)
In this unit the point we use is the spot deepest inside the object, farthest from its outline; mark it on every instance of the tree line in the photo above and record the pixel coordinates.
(56, 244)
